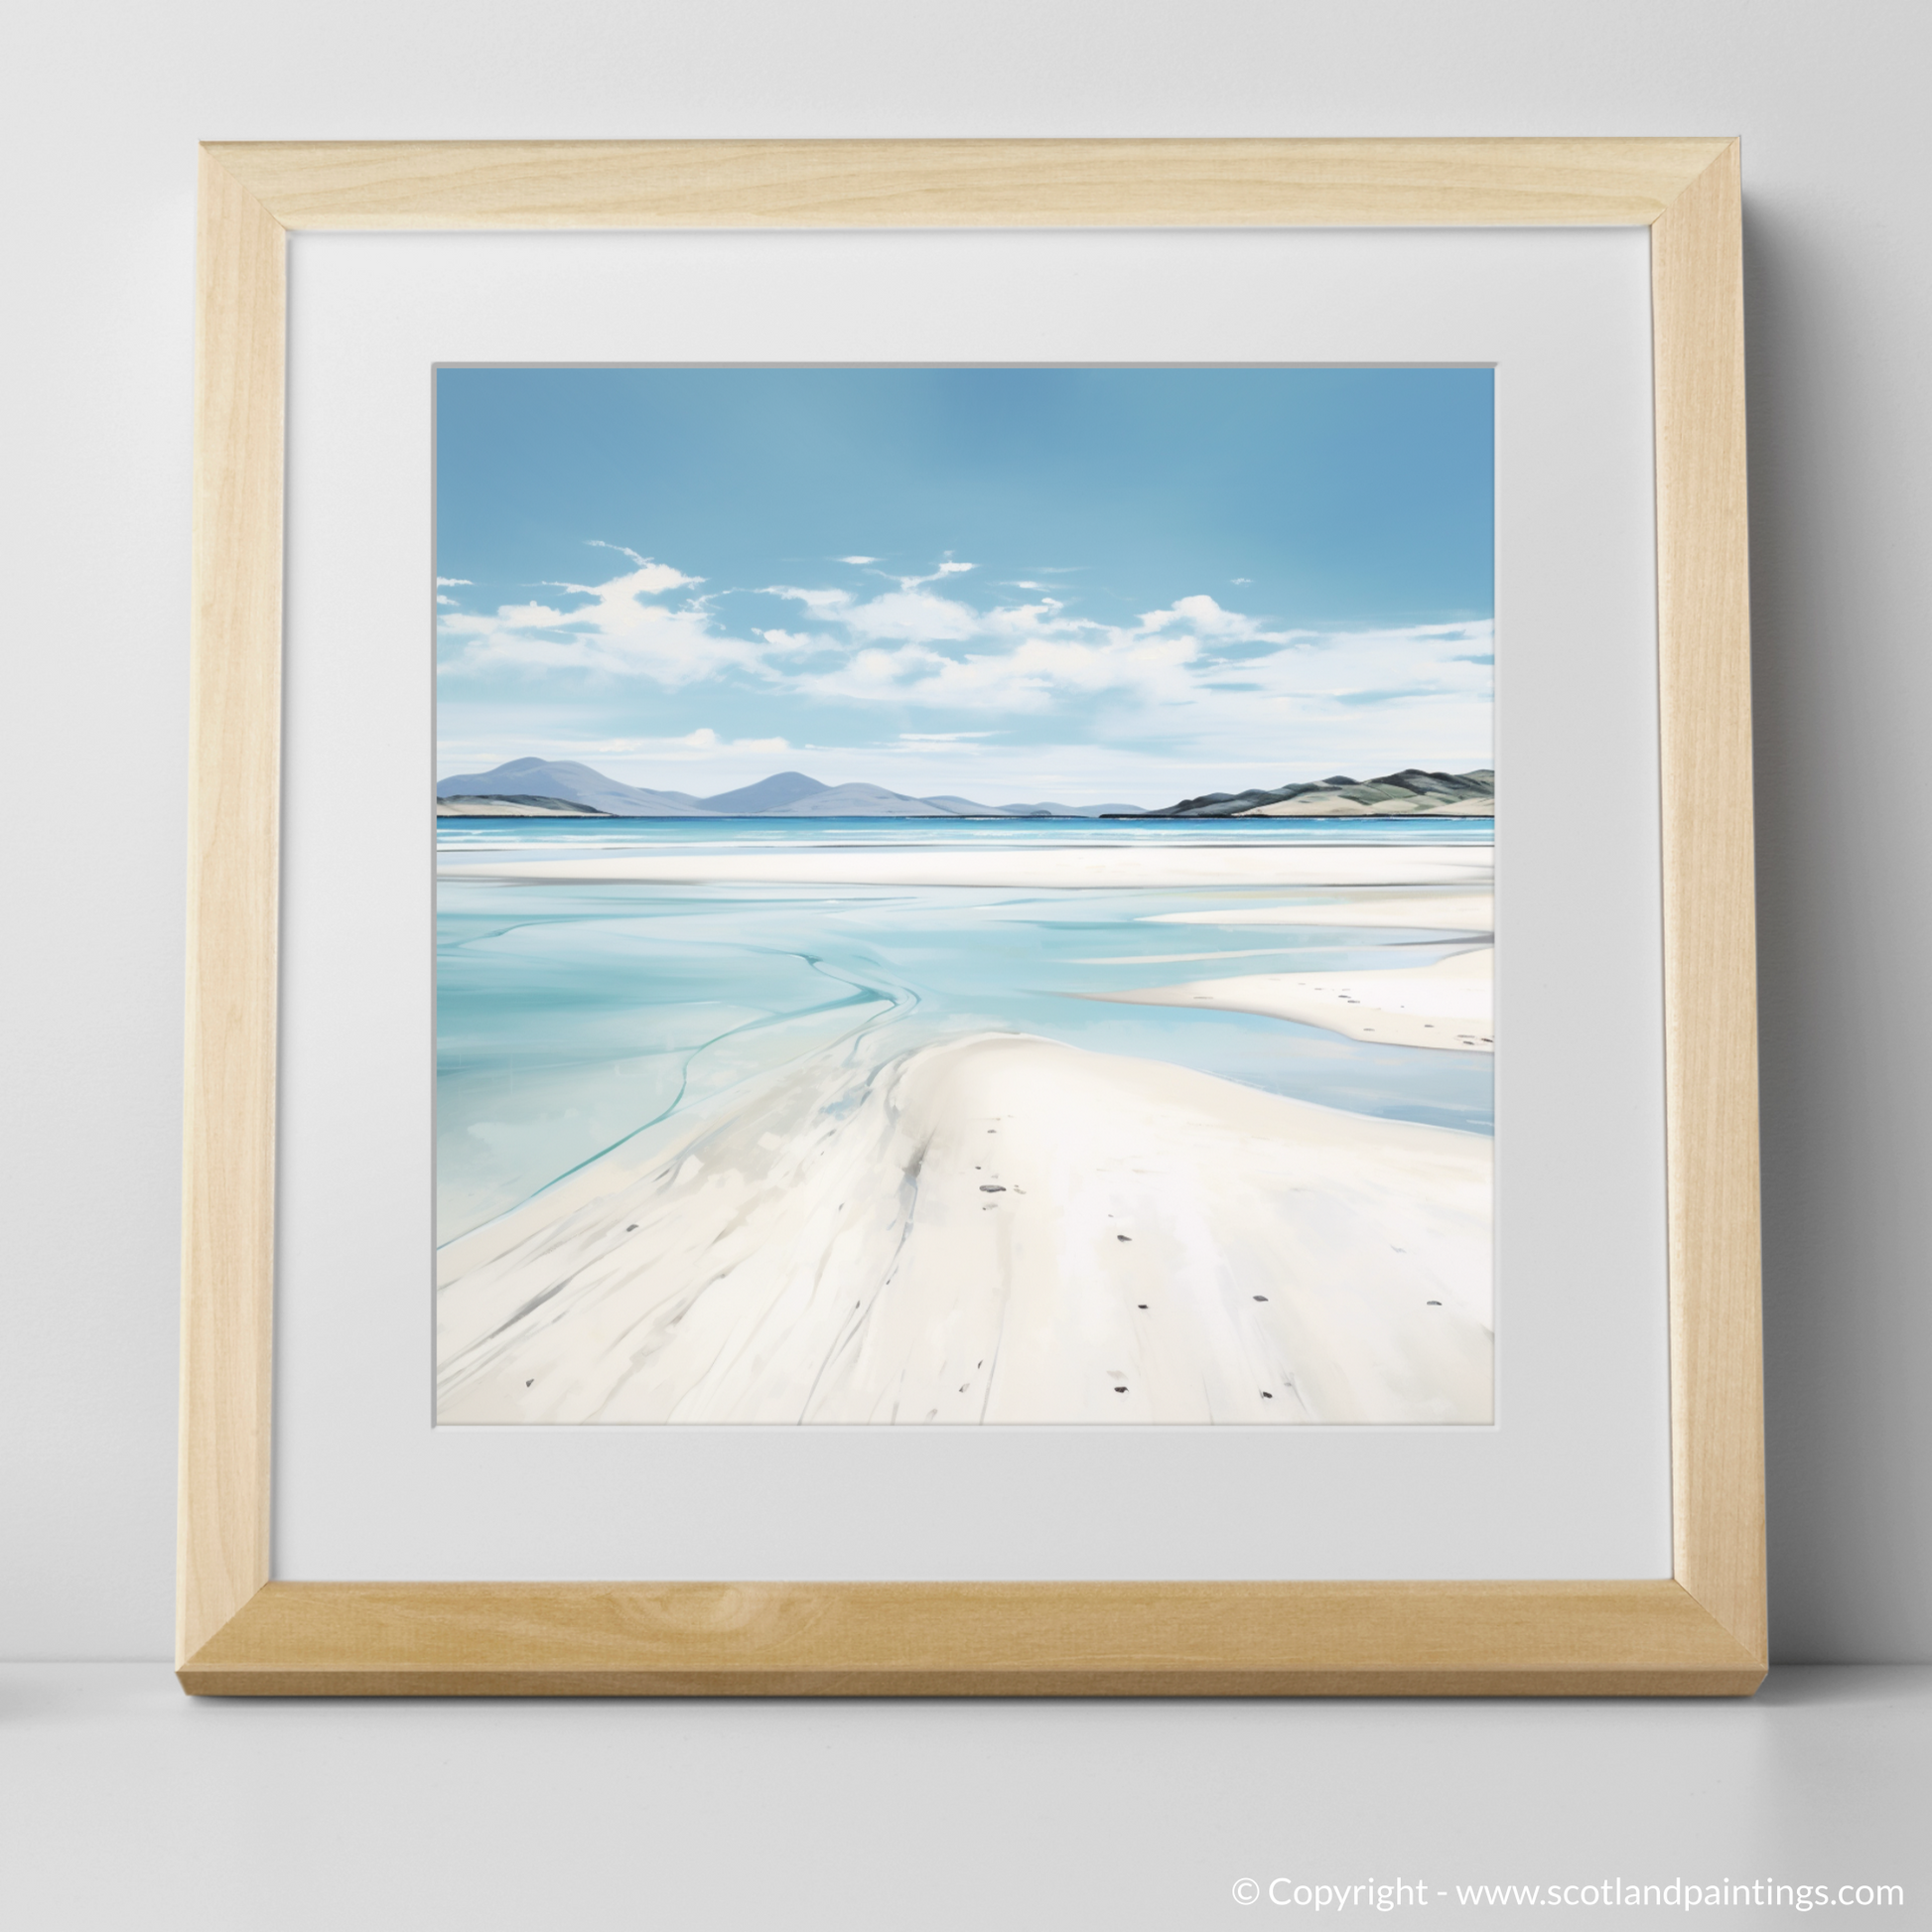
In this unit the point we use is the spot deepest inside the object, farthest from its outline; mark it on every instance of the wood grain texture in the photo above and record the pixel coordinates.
(962, 183)
(229, 1180)
(1703, 1633)
(1710, 945)
(984, 1640)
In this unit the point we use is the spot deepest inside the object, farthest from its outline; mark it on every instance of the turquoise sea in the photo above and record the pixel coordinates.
(570, 1015)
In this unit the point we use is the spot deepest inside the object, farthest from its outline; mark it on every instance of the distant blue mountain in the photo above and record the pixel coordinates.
(966, 808)
(767, 795)
(1050, 810)
(785, 794)
(863, 801)
(564, 779)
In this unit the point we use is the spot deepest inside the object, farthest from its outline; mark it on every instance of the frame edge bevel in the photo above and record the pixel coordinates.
(1710, 953)
(228, 1119)
(1203, 1639)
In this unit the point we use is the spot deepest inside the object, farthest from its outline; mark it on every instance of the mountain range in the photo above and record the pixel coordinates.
(545, 786)
(560, 788)
(1400, 794)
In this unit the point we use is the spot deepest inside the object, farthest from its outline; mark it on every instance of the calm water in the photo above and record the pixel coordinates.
(570, 1017)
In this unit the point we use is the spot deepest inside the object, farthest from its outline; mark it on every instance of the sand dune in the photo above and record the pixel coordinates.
(1447, 1005)
(988, 1229)
(1450, 911)
(1237, 862)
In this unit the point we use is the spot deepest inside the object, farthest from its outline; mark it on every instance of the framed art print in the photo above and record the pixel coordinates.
(1087, 935)
(764, 1099)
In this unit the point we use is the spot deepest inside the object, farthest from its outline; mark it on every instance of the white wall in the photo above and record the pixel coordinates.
(104, 105)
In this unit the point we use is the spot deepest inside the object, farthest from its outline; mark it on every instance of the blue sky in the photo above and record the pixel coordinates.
(1085, 583)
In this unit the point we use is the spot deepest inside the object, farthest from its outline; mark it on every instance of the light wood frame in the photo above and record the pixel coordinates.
(1701, 1632)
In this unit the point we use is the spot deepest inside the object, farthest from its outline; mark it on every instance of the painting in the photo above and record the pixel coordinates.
(964, 895)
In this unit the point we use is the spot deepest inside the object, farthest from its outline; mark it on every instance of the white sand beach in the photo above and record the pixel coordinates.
(1234, 862)
(993, 1228)
(1448, 1005)
(1450, 911)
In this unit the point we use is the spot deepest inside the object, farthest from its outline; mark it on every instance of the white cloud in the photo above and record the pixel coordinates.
(617, 633)
(797, 643)
(947, 568)
(653, 576)
(647, 580)
(705, 742)
(1206, 619)
(1195, 689)
(912, 616)
(854, 560)
(1371, 698)
(1031, 653)
(633, 758)
(821, 603)
(916, 616)
(1027, 678)
(451, 583)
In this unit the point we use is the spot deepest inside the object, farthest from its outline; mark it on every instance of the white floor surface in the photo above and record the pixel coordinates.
(124, 1803)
